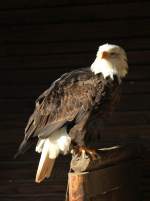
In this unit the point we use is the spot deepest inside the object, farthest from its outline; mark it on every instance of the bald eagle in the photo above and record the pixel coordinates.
(62, 113)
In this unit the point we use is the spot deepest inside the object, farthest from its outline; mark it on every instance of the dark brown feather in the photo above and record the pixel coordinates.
(71, 100)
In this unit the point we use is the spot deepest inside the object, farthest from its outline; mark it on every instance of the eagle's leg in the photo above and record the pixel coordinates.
(90, 152)
(83, 151)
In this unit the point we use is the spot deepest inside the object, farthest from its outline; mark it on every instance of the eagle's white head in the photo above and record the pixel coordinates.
(110, 60)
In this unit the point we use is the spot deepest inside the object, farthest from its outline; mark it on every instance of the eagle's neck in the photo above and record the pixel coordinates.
(104, 67)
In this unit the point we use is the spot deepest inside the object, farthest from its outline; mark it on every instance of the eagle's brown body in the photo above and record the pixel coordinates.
(72, 100)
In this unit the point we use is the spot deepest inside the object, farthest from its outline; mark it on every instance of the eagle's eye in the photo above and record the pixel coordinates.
(113, 54)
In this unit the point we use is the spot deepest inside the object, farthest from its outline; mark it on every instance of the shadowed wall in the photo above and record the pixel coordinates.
(40, 40)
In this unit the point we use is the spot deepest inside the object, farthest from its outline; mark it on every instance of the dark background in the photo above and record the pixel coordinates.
(39, 40)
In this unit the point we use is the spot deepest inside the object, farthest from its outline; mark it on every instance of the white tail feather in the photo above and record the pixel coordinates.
(50, 148)
(45, 165)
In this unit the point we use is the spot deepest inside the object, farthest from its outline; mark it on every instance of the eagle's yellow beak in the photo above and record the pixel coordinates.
(104, 55)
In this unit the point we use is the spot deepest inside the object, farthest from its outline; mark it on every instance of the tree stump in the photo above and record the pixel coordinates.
(114, 176)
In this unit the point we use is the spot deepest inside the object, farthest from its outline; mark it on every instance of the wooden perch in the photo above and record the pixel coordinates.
(111, 177)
